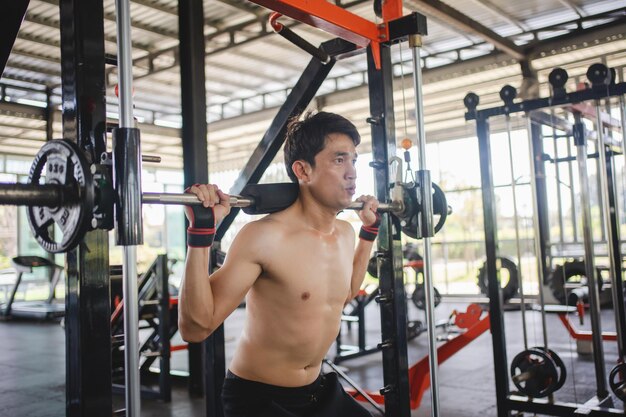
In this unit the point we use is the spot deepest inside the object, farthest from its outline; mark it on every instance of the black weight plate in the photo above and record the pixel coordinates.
(534, 373)
(372, 267)
(440, 208)
(419, 297)
(62, 162)
(560, 365)
(617, 381)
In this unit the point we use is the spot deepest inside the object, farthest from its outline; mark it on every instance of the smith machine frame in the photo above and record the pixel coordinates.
(603, 87)
(88, 313)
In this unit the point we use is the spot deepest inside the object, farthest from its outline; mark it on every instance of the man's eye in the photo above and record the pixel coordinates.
(339, 160)
(354, 162)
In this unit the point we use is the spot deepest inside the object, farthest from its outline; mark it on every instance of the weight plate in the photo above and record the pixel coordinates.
(617, 381)
(419, 297)
(560, 366)
(63, 163)
(534, 373)
(440, 208)
(372, 267)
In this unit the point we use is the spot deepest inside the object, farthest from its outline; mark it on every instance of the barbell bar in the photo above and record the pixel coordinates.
(65, 189)
(247, 202)
(54, 195)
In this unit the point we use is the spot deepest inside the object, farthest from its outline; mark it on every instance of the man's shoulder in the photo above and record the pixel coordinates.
(345, 227)
(267, 225)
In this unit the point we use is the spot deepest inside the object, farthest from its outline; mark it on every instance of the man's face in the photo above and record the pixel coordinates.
(332, 179)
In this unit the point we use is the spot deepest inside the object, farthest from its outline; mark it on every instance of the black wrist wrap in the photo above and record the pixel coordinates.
(370, 233)
(200, 238)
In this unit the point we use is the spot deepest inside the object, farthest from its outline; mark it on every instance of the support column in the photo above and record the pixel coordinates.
(87, 301)
(194, 138)
(496, 318)
(392, 295)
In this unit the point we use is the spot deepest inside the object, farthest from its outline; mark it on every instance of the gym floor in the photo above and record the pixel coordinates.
(33, 366)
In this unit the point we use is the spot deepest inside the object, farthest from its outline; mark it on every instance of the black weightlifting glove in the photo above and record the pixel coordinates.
(201, 230)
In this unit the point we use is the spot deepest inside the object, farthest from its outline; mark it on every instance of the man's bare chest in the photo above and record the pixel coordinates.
(310, 269)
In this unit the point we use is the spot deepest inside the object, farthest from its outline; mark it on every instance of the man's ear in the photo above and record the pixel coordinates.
(301, 169)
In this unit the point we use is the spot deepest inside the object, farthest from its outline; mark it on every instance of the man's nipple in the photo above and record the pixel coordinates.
(305, 295)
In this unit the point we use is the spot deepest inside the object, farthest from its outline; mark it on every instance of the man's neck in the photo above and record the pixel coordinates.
(315, 215)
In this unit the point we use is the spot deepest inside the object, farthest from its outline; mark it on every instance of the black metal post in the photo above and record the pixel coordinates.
(214, 357)
(88, 306)
(392, 296)
(163, 295)
(496, 318)
(194, 130)
(536, 136)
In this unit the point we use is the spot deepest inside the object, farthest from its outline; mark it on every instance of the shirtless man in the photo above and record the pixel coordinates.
(297, 268)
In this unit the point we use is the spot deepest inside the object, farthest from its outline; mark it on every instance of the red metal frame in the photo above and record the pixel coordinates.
(583, 334)
(419, 373)
(339, 22)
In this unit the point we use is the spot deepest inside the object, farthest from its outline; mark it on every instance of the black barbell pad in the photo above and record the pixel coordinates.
(270, 198)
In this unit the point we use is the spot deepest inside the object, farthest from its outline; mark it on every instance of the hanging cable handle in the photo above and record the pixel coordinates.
(297, 40)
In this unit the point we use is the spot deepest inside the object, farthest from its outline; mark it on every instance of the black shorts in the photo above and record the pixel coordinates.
(325, 397)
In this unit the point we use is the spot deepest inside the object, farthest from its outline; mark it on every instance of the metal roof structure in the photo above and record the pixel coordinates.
(471, 45)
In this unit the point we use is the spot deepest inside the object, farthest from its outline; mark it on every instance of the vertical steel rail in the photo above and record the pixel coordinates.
(415, 43)
(557, 174)
(622, 113)
(517, 246)
(133, 170)
(536, 225)
(594, 299)
(572, 195)
(611, 216)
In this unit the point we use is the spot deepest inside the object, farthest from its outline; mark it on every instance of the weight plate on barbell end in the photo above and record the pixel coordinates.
(617, 381)
(534, 373)
(440, 208)
(62, 162)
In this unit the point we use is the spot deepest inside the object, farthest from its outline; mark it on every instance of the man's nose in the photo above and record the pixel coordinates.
(351, 172)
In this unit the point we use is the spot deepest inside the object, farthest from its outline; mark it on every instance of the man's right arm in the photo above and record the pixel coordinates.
(205, 302)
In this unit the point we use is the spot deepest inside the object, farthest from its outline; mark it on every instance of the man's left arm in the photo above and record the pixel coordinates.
(367, 236)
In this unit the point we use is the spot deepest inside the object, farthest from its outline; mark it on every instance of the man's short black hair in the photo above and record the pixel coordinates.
(307, 137)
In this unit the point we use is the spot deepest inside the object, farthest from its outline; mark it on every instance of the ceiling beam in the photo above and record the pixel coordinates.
(444, 13)
(574, 7)
(502, 14)
(245, 6)
(110, 16)
(54, 24)
(157, 6)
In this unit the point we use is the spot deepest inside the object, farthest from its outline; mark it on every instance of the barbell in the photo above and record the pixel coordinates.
(78, 197)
